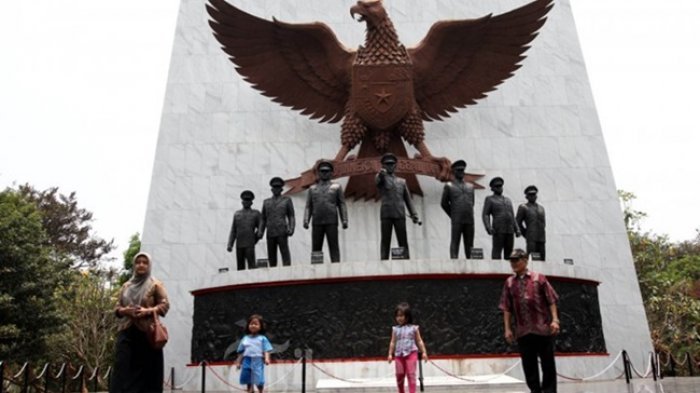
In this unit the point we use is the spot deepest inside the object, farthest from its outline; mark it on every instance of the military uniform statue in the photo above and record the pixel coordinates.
(530, 219)
(245, 231)
(499, 220)
(324, 201)
(278, 220)
(395, 199)
(458, 202)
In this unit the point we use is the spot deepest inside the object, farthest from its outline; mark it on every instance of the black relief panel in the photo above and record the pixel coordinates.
(353, 319)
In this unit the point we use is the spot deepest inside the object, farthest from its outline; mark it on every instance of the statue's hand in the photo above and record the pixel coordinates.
(489, 231)
(345, 225)
(290, 232)
(306, 225)
(229, 249)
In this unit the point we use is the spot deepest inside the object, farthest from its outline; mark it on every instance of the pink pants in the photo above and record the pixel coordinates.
(406, 368)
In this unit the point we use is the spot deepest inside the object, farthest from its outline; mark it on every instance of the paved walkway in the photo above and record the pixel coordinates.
(667, 385)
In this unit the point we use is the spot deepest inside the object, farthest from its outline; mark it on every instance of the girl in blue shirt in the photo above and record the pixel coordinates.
(253, 354)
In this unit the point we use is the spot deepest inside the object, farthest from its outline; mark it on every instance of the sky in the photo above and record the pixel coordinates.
(82, 84)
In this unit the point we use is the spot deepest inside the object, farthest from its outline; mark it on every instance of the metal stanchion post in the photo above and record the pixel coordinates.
(654, 366)
(83, 385)
(626, 365)
(303, 373)
(97, 379)
(63, 378)
(672, 361)
(25, 383)
(172, 378)
(46, 377)
(420, 371)
(689, 360)
(204, 376)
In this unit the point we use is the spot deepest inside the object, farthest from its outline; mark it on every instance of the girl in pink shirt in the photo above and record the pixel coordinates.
(403, 347)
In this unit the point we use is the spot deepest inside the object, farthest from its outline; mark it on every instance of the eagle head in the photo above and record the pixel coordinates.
(370, 11)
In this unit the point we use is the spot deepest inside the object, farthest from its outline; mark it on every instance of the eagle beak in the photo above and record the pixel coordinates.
(357, 9)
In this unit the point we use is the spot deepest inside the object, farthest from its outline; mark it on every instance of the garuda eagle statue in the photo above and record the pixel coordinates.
(382, 89)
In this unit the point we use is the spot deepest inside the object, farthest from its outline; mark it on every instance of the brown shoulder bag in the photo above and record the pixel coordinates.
(157, 333)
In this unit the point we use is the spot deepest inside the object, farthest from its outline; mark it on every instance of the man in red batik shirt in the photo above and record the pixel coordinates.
(531, 299)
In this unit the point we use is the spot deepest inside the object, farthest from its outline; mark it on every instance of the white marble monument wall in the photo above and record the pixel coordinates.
(218, 136)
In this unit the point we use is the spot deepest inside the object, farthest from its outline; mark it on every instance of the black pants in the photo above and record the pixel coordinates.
(399, 225)
(272, 244)
(244, 254)
(533, 246)
(501, 242)
(330, 231)
(138, 368)
(531, 347)
(465, 231)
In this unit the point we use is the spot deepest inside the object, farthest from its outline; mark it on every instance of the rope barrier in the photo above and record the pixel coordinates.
(282, 378)
(612, 363)
(685, 360)
(224, 380)
(285, 375)
(94, 372)
(509, 369)
(109, 370)
(450, 374)
(78, 374)
(646, 373)
(43, 371)
(178, 387)
(20, 371)
(333, 376)
(61, 371)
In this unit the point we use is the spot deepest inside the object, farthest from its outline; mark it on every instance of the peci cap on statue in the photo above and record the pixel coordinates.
(325, 164)
(247, 195)
(277, 182)
(388, 157)
(531, 190)
(459, 164)
(495, 181)
(517, 253)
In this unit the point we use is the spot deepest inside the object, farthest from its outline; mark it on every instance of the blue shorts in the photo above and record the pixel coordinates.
(252, 371)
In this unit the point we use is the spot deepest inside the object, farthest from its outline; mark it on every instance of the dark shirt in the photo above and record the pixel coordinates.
(530, 219)
(323, 202)
(247, 223)
(277, 216)
(528, 298)
(458, 202)
(395, 197)
(501, 209)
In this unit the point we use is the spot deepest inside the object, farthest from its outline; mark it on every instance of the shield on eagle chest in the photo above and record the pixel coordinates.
(382, 95)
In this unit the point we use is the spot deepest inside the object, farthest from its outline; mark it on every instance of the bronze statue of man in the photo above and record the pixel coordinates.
(278, 219)
(499, 220)
(246, 226)
(324, 201)
(458, 202)
(530, 219)
(395, 200)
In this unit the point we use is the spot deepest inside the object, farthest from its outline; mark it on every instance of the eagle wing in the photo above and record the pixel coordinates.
(302, 66)
(458, 62)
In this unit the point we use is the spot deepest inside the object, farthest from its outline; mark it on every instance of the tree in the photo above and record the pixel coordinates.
(28, 280)
(68, 229)
(88, 336)
(668, 274)
(133, 249)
